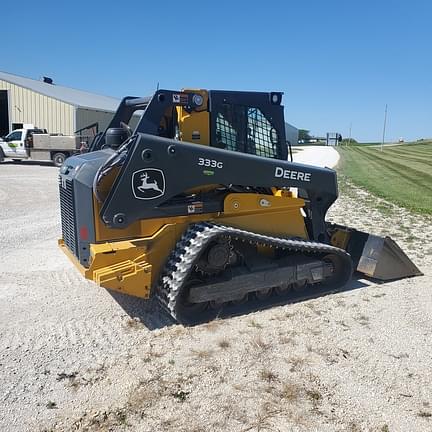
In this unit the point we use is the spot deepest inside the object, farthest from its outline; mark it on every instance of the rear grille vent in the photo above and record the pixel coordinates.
(67, 211)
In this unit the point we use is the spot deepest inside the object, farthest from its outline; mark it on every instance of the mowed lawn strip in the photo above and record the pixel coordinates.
(420, 160)
(412, 171)
(423, 159)
(402, 174)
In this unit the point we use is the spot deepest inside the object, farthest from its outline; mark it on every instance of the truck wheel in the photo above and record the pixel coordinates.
(1, 155)
(58, 159)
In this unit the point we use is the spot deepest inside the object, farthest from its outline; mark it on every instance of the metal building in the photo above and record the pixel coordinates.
(49, 106)
(291, 134)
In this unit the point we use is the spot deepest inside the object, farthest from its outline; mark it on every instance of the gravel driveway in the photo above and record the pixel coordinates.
(75, 357)
(323, 156)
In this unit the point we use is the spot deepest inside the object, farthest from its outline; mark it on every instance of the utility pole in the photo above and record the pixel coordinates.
(384, 128)
(349, 140)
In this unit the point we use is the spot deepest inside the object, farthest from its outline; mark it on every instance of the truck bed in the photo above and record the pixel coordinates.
(55, 142)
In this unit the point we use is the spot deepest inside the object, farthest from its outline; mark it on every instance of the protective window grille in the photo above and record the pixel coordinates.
(225, 133)
(247, 130)
(262, 138)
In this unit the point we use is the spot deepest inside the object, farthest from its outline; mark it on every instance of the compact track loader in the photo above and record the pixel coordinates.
(199, 206)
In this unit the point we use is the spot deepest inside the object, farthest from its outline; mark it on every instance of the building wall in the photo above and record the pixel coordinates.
(85, 117)
(291, 134)
(27, 106)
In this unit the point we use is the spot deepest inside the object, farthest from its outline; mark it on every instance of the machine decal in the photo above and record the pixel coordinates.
(148, 183)
(196, 207)
(210, 163)
(180, 98)
(293, 175)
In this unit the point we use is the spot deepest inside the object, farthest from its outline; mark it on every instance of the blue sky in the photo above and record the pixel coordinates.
(338, 62)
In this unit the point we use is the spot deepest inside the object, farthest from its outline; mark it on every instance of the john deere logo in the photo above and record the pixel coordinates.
(148, 183)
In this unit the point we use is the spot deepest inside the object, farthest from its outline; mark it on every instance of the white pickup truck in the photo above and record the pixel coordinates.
(37, 144)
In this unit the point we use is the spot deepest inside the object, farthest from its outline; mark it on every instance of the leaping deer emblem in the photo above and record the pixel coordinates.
(146, 185)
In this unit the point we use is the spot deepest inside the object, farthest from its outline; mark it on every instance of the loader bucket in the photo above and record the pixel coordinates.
(377, 257)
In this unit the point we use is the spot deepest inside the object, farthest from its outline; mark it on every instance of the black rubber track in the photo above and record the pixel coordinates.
(172, 286)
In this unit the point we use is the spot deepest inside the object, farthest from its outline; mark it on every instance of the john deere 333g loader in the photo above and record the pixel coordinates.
(199, 206)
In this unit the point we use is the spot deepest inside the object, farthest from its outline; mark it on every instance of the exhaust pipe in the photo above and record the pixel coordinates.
(377, 257)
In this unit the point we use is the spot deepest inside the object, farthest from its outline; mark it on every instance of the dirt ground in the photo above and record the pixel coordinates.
(74, 357)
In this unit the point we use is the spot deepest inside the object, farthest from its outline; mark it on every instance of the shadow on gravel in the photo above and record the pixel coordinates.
(30, 162)
(153, 316)
(309, 293)
(149, 312)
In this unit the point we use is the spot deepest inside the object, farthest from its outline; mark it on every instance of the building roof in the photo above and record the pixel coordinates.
(68, 95)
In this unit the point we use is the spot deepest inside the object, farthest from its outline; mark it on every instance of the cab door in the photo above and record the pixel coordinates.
(14, 147)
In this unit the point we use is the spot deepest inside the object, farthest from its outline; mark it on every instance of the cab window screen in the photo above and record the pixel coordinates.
(225, 133)
(230, 125)
(262, 138)
(247, 130)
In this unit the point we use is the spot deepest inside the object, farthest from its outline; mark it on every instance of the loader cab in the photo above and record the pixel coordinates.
(239, 123)
(246, 122)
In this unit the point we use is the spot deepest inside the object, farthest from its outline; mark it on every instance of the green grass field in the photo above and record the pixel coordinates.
(402, 174)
